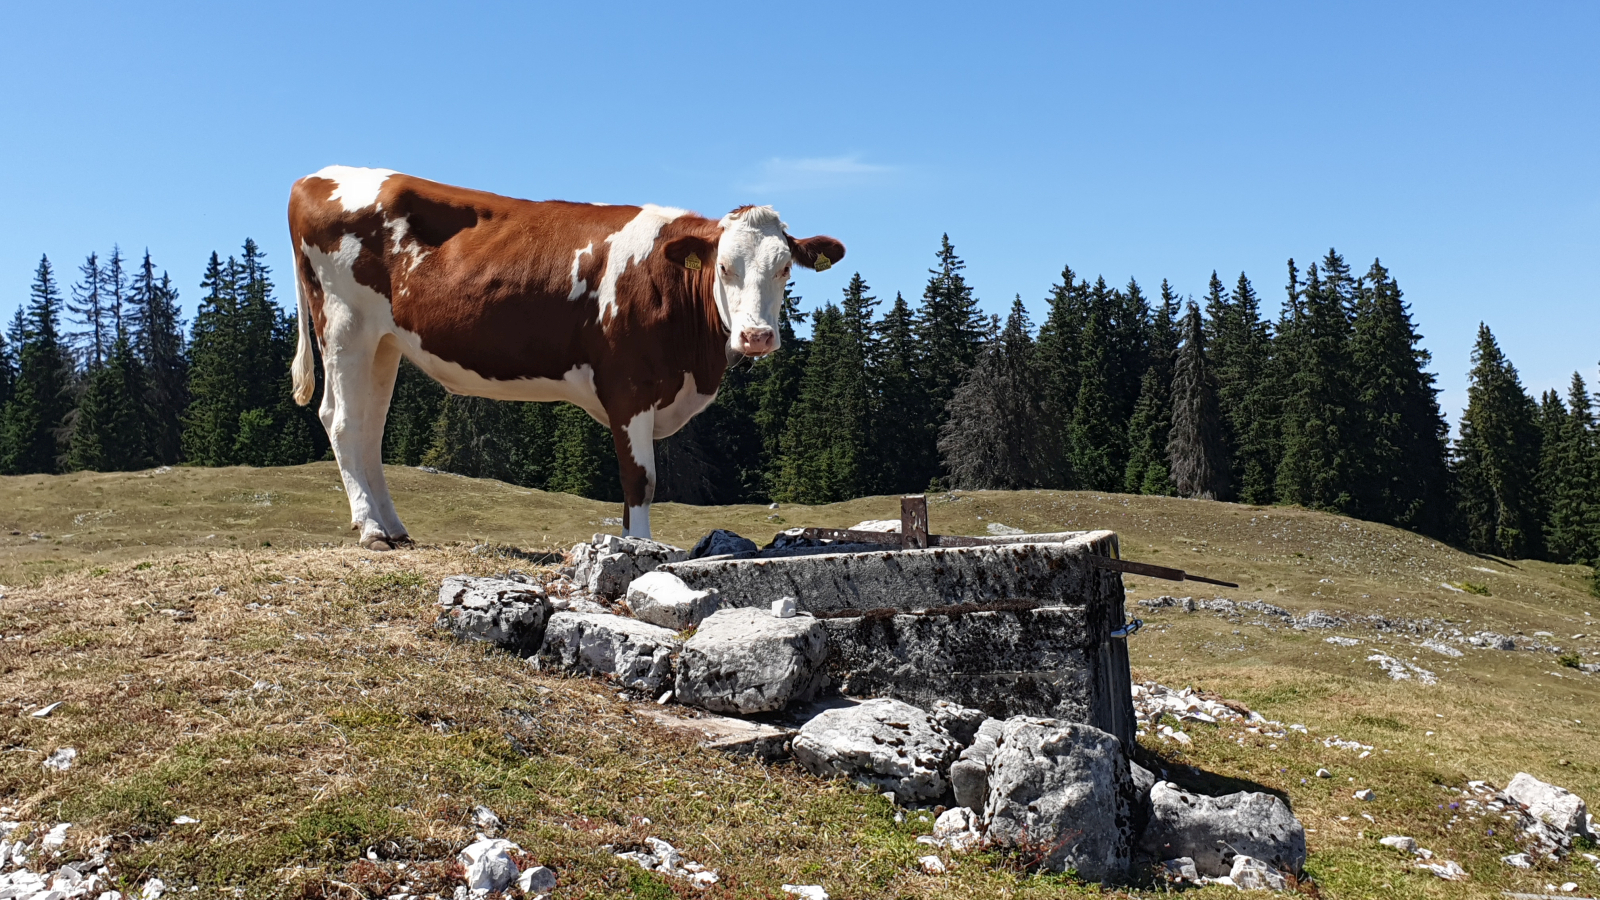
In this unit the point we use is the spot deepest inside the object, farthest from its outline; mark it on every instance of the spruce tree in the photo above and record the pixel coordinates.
(1497, 457)
(469, 438)
(114, 291)
(1195, 448)
(1569, 472)
(1399, 468)
(153, 317)
(1058, 363)
(32, 426)
(112, 429)
(8, 361)
(1095, 437)
(949, 330)
(901, 404)
(1249, 398)
(1318, 437)
(89, 311)
(775, 386)
(218, 371)
(823, 452)
(1148, 433)
(585, 456)
(994, 436)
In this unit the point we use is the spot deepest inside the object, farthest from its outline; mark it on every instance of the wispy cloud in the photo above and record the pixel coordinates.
(812, 173)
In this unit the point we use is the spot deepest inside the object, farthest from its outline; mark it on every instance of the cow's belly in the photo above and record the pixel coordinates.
(576, 387)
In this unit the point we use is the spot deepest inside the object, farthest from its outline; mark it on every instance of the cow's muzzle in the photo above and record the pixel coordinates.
(757, 341)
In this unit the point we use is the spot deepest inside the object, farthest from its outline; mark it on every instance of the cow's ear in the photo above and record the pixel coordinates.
(690, 251)
(819, 252)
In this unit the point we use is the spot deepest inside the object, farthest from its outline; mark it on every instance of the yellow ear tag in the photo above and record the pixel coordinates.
(823, 263)
(691, 262)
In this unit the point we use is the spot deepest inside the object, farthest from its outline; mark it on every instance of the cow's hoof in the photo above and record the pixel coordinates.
(377, 544)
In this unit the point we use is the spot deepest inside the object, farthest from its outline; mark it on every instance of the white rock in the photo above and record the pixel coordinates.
(185, 820)
(931, 865)
(1569, 886)
(153, 889)
(62, 759)
(485, 820)
(1000, 529)
(537, 880)
(637, 654)
(1212, 830)
(1180, 869)
(806, 891)
(1399, 842)
(1517, 861)
(745, 661)
(1364, 794)
(43, 711)
(1555, 806)
(969, 776)
(1324, 773)
(489, 864)
(885, 526)
(661, 598)
(1250, 874)
(55, 837)
(608, 564)
(884, 743)
(783, 608)
(1064, 787)
(958, 829)
(1447, 869)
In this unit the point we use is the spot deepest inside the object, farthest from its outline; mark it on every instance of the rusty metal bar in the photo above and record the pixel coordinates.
(1153, 571)
(914, 522)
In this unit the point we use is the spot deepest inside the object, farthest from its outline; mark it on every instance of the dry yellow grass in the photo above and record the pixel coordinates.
(331, 716)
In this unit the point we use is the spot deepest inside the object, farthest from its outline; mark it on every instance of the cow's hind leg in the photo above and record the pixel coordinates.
(355, 401)
(636, 460)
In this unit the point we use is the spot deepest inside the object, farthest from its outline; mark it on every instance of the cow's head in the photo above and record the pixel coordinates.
(752, 256)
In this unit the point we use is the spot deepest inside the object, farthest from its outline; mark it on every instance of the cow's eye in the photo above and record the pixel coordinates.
(783, 273)
(726, 272)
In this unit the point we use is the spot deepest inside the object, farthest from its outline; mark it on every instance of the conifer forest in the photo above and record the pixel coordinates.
(1328, 405)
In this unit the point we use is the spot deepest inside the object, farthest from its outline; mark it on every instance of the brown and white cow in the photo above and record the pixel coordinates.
(631, 312)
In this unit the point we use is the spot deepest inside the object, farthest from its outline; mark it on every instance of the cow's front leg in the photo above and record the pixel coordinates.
(636, 458)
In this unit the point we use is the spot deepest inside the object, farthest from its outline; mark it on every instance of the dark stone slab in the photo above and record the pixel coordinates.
(1050, 662)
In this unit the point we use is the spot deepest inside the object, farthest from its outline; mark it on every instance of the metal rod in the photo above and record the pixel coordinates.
(1153, 571)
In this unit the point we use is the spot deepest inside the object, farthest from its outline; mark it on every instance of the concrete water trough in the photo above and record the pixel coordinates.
(1015, 625)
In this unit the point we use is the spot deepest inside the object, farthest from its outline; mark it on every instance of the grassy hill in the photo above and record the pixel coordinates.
(223, 652)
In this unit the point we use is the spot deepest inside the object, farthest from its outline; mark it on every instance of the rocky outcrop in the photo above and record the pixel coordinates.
(1062, 791)
(505, 612)
(1557, 807)
(1213, 830)
(662, 598)
(889, 745)
(969, 776)
(749, 661)
(635, 654)
(607, 565)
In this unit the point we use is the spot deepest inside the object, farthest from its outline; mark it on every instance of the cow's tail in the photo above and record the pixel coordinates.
(304, 368)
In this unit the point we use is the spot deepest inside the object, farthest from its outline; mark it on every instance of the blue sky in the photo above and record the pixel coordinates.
(1459, 142)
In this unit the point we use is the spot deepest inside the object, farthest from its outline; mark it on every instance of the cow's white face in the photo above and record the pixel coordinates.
(753, 261)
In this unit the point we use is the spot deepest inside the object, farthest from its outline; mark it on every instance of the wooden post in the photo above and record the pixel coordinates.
(914, 522)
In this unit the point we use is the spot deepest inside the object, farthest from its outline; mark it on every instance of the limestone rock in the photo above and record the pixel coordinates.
(1062, 790)
(746, 661)
(1400, 842)
(721, 543)
(890, 745)
(637, 654)
(960, 722)
(1213, 830)
(662, 598)
(608, 564)
(489, 865)
(507, 613)
(957, 828)
(1180, 869)
(1557, 807)
(1251, 874)
(537, 880)
(969, 776)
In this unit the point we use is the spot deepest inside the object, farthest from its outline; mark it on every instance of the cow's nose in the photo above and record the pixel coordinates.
(756, 341)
